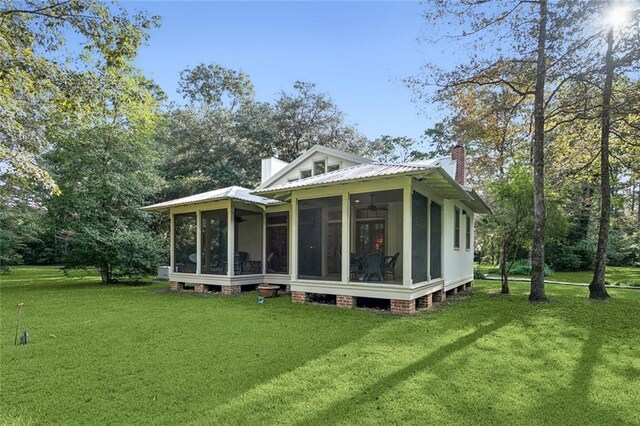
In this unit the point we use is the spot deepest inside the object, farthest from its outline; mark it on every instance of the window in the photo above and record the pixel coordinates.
(305, 174)
(319, 167)
(468, 234)
(333, 167)
(456, 228)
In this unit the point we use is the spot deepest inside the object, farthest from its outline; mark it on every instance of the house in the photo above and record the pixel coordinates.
(334, 224)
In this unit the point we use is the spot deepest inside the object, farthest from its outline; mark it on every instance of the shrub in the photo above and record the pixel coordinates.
(478, 275)
(570, 257)
(521, 267)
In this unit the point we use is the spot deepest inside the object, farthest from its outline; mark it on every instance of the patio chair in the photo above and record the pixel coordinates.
(389, 266)
(240, 260)
(371, 267)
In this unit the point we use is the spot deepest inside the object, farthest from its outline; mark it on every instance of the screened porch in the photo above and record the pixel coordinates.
(379, 249)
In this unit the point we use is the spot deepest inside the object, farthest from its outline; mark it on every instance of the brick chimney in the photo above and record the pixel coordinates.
(458, 155)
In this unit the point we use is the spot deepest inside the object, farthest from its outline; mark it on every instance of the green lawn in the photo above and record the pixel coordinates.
(614, 274)
(132, 355)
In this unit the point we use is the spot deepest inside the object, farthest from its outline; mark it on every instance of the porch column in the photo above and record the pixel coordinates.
(293, 242)
(406, 234)
(346, 231)
(172, 244)
(264, 241)
(429, 239)
(323, 244)
(198, 241)
(230, 239)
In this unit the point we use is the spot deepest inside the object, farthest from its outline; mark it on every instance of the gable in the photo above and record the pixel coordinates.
(313, 162)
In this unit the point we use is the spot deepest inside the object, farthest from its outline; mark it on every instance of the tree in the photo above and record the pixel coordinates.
(43, 84)
(511, 220)
(106, 170)
(305, 118)
(202, 140)
(630, 58)
(392, 149)
(534, 50)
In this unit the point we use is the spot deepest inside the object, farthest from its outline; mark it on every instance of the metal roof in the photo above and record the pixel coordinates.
(308, 153)
(357, 172)
(232, 192)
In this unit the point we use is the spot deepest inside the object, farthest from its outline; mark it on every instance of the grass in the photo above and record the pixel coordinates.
(132, 355)
(614, 274)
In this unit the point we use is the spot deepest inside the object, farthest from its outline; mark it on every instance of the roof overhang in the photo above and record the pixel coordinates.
(435, 177)
(231, 193)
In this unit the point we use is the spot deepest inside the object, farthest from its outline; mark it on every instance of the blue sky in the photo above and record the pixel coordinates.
(357, 52)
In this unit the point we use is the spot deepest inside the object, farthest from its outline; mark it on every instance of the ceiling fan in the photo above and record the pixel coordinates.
(372, 207)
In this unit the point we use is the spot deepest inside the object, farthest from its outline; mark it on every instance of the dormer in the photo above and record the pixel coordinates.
(315, 161)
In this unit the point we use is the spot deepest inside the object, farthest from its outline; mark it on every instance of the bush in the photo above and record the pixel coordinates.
(521, 267)
(478, 275)
(564, 257)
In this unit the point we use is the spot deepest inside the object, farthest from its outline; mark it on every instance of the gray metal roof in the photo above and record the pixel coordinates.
(308, 153)
(358, 172)
(232, 192)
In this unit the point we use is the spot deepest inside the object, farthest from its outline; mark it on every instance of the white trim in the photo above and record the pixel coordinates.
(458, 282)
(308, 153)
(198, 241)
(407, 223)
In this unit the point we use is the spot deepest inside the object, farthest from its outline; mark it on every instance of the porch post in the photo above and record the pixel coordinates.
(293, 243)
(406, 234)
(172, 243)
(230, 240)
(429, 239)
(325, 230)
(264, 241)
(198, 242)
(346, 231)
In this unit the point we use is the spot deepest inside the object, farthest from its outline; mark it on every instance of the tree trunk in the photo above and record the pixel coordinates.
(597, 290)
(105, 273)
(638, 204)
(537, 252)
(504, 271)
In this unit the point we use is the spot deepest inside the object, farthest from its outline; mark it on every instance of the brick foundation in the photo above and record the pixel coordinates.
(299, 297)
(469, 284)
(345, 301)
(439, 296)
(229, 290)
(199, 288)
(403, 307)
(174, 285)
(424, 302)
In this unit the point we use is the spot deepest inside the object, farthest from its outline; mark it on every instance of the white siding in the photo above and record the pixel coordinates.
(457, 263)
(308, 165)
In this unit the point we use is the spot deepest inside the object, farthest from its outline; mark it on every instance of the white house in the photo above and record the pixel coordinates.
(334, 224)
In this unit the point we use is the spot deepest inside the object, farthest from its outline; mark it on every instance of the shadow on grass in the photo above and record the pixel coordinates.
(429, 361)
(571, 402)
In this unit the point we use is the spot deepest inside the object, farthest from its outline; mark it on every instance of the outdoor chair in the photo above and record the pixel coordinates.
(372, 267)
(240, 260)
(389, 266)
